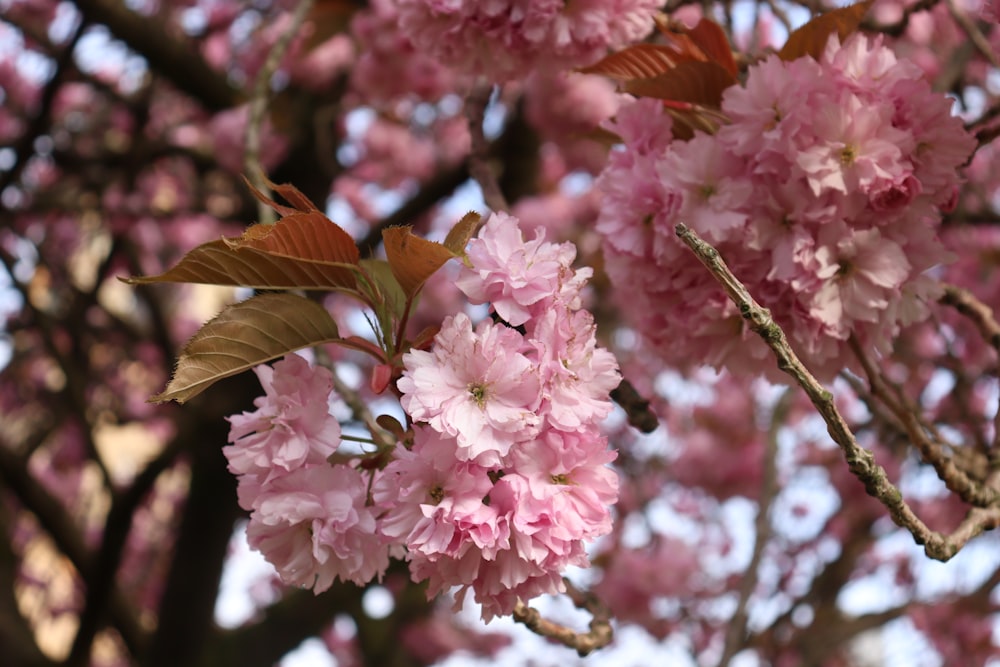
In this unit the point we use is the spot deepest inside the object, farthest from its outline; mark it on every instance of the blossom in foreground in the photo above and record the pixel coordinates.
(308, 518)
(292, 425)
(506, 475)
(475, 386)
(503, 474)
(313, 525)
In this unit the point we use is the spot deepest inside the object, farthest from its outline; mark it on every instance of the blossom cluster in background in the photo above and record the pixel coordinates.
(823, 192)
(509, 39)
(505, 474)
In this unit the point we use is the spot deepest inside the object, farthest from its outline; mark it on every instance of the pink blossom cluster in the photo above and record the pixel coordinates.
(309, 519)
(507, 39)
(506, 474)
(823, 192)
(567, 110)
(388, 66)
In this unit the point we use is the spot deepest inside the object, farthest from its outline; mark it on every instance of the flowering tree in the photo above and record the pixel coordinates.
(713, 357)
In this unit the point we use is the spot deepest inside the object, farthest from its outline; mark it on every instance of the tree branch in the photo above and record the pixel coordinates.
(932, 451)
(55, 521)
(599, 635)
(736, 633)
(860, 461)
(258, 106)
(479, 160)
(176, 61)
(984, 318)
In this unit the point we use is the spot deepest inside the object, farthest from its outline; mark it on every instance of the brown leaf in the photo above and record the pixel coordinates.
(413, 259)
(640, 61)
(811, 39)
(459, 235)
(300, 251)
(303, 202)
(218, 263)
(329, 18)
(710, 38)
(695, 82)
(310, 236)
(244, 335)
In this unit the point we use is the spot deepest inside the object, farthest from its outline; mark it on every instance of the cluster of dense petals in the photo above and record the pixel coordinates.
(507, 474)
(506, 39)
(506, 531)
(823, 193)
(475, 386)
(521, 279)
(309, 519)
(314, 526)
(388, 65)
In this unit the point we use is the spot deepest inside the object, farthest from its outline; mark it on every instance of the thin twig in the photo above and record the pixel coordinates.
(985, 320)
(974, 33)
(479, 157)
(932, 451)
(383, 439)
(985, 117)
(736, 634)
(899, 27)
(599, 635)
(258, 105)
(860, 462)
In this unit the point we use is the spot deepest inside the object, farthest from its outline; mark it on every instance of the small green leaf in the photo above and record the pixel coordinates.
(392, 295)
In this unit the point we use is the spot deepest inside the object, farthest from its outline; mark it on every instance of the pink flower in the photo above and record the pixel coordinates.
(504, 39)
(490, 495)
(863, 272)
(313, 526)
(435, 501)
(577, 375)
(520, 279)
(823, 193)
(713, 183)
(227, 130)
(895, 195)
(292, 425)
(388, 66)
(764, 114)
(474, 386)
(568, 479)
(855, 145)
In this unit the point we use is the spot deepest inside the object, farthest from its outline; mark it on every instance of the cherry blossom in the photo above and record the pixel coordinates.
(292, 425)
(314, 526)
(831, 190)
(520, 279)
(475, 386)
(505, 39)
